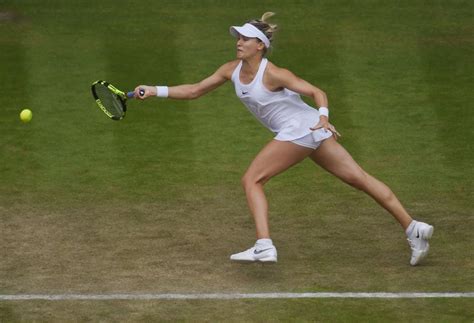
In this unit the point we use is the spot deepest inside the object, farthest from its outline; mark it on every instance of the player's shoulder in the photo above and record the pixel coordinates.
(233, 63)
(228, 68)
(275, 71)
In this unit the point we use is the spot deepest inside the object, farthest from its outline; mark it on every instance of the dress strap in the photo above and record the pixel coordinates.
(236, 72)
(261, 68)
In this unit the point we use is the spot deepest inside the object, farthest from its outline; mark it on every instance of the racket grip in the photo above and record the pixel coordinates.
(131, 94)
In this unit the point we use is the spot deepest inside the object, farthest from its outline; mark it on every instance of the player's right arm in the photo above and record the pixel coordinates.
(196, 90)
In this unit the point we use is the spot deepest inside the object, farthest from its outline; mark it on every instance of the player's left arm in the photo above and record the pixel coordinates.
(283, 78)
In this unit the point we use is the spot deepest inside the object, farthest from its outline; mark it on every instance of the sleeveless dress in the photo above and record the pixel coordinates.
(282, 112)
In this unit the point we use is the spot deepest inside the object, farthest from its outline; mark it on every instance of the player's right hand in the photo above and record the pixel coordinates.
(149, 91)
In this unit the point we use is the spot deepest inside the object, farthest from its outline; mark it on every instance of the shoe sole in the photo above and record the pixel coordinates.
(264, 260)
(268, 259)
(422, 255)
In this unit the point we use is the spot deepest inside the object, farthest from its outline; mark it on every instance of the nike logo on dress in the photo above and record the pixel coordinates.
(260, 251)
(417, 234)
(245, 92)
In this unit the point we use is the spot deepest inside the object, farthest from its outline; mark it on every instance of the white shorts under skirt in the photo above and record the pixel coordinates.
(309, 140)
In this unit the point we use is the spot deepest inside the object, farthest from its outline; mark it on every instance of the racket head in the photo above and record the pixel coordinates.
(110, 100)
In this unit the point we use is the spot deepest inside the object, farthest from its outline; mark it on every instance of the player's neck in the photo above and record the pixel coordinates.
(250, 65)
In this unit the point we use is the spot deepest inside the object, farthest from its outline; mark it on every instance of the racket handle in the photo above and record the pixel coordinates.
(131, 94)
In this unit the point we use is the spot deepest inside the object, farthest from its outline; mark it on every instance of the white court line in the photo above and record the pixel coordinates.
(224, 296)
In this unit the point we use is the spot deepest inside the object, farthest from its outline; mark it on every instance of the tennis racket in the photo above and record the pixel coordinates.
(111, 100)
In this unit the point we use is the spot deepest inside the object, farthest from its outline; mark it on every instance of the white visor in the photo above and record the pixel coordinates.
(249, 30)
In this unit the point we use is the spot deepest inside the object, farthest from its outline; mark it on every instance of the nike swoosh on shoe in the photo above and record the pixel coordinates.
(260, 251)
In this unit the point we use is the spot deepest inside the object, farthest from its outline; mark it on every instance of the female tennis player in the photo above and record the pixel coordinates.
(272, 95)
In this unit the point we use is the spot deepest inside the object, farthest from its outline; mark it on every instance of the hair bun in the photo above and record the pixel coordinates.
(266, 16)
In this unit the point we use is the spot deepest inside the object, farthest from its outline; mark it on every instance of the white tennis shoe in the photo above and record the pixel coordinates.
(418, 241)
(257, 253)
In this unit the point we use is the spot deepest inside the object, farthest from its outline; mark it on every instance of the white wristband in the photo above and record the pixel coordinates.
(162, 91)
(323, 111)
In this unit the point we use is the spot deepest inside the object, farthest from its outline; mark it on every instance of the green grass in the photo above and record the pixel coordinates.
(153, 203)
(245, 311)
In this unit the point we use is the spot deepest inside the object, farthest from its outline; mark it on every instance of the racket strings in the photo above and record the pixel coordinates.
(110, 101)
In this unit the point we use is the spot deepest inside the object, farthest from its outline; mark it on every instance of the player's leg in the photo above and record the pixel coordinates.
(335, 159)
(274, 158)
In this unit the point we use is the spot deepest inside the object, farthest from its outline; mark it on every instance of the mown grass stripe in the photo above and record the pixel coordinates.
(224, 296)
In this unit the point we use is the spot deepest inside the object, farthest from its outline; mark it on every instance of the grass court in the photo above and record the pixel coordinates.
(153, 203)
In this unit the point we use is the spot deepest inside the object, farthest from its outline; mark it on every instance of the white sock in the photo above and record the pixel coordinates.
(410, 228)
(264, 242)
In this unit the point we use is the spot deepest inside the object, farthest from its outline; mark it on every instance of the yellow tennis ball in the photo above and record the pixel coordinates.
(26, 115)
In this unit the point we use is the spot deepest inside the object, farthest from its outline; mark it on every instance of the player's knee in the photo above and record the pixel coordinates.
(357, 180)
(244, 181)
(387, 195)
(249, 180)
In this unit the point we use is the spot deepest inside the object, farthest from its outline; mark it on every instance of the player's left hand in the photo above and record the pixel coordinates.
(324, 124)
(335, 133)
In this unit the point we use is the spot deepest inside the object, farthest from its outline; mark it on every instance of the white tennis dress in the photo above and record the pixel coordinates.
(283, 112)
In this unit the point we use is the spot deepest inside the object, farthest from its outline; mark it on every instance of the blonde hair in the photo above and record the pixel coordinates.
(264, 26)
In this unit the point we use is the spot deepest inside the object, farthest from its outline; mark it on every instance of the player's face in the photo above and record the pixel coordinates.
(248, 47)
